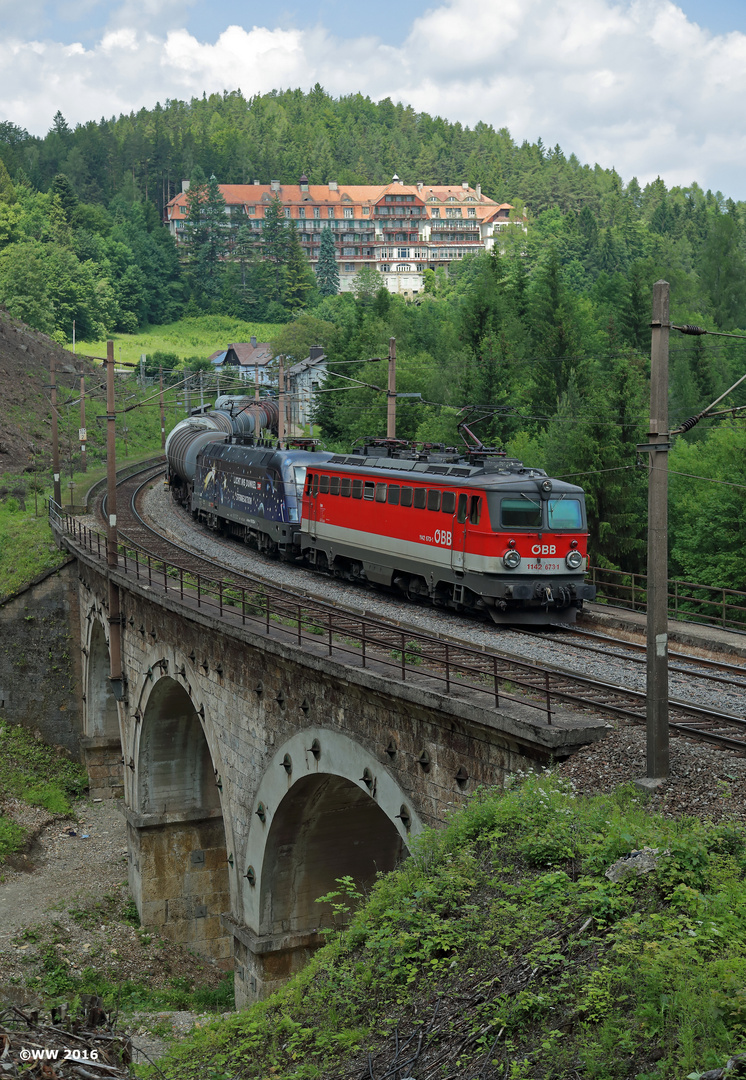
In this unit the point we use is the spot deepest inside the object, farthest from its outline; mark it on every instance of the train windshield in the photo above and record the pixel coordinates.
(299, 475)
(565, 514)
(520, 513)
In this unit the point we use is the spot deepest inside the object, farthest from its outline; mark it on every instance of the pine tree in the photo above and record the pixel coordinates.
(327, 274)
(274, 248)
(299, 279)
(207, 239)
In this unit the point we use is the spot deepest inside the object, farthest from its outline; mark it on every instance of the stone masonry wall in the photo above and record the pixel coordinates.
(40, 670)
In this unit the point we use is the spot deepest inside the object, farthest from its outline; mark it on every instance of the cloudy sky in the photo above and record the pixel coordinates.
(650, 87)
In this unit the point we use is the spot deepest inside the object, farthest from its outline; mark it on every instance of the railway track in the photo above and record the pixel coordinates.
(378, 640)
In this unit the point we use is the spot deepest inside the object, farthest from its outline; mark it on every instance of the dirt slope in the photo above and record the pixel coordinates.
(25, 412)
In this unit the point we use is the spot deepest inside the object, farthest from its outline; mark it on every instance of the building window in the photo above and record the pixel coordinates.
(435, 212)
(402, 253)
(348, 251)
(301, 211)
(453, 211)
(366, 209)
(316, 212)
(472, 211)
(287, 212)
(330, 212)
(349, 268)
(348, 211)
(384, 269)
(451, 198)
(251, 210)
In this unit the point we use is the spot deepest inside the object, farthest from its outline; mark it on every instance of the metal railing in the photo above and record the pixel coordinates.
(348, 637)
(686, 600)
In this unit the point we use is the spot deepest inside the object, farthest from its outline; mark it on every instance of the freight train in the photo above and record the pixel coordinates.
(467, 531)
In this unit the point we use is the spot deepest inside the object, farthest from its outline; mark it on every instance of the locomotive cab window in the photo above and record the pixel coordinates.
(357, 489)
(309, 482)
(406, 496)
(449, 502)
(315, 489)
(324, 485)
(475, 509)
(393, 494)
(420, 498)
(345, 487)
(462, 504)
(521, 513)
(565, 514)
(433, 499)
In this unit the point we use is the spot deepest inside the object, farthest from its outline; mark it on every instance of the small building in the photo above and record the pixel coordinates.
(303, 380)
(251, 359)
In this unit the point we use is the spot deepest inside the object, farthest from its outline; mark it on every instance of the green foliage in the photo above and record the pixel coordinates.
(542, 963)
(327, 272)
(12, 838)
(36, 773)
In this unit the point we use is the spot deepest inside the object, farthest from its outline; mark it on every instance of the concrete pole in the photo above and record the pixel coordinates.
(163, 413)
(391, 393)
(111, 462)
(55, 434)
(657, 618)
(83, 433)
(112, 560)
(281, 403)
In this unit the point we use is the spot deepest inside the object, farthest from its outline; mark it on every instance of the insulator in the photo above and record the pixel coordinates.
(689, 329)
(691, 422)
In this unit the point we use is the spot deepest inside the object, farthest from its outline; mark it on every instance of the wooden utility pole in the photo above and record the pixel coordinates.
(657, 600)
(55, 434)
(391, 393)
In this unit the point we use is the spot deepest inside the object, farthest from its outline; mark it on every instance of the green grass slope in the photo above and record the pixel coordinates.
(501, 950)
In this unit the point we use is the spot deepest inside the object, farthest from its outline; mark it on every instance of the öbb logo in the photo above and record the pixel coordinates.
(544, 549)
(443, 537)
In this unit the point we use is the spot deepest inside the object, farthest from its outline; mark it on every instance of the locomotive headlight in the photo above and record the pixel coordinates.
(574, 560)
(511, 559)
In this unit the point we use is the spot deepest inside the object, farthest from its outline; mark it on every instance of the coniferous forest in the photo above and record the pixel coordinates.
(550, 338)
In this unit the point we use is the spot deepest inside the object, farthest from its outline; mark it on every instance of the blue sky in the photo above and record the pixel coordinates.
(650, 87)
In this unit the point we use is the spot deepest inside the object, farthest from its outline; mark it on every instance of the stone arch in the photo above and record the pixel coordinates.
(102, 737)
(175, 772)
(179, 872)
(337, 812)
(325, 808)
(101, 715)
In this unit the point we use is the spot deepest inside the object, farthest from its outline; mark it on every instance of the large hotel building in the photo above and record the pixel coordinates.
(399, 229)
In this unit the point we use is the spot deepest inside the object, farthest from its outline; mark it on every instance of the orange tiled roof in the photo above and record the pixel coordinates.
(354, 196)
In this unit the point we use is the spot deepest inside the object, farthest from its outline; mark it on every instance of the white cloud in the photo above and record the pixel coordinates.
(629, 84)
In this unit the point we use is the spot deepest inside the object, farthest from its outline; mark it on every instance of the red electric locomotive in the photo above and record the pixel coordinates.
(477, 532)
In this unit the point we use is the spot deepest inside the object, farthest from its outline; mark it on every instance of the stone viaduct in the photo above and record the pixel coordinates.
(256, 771)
